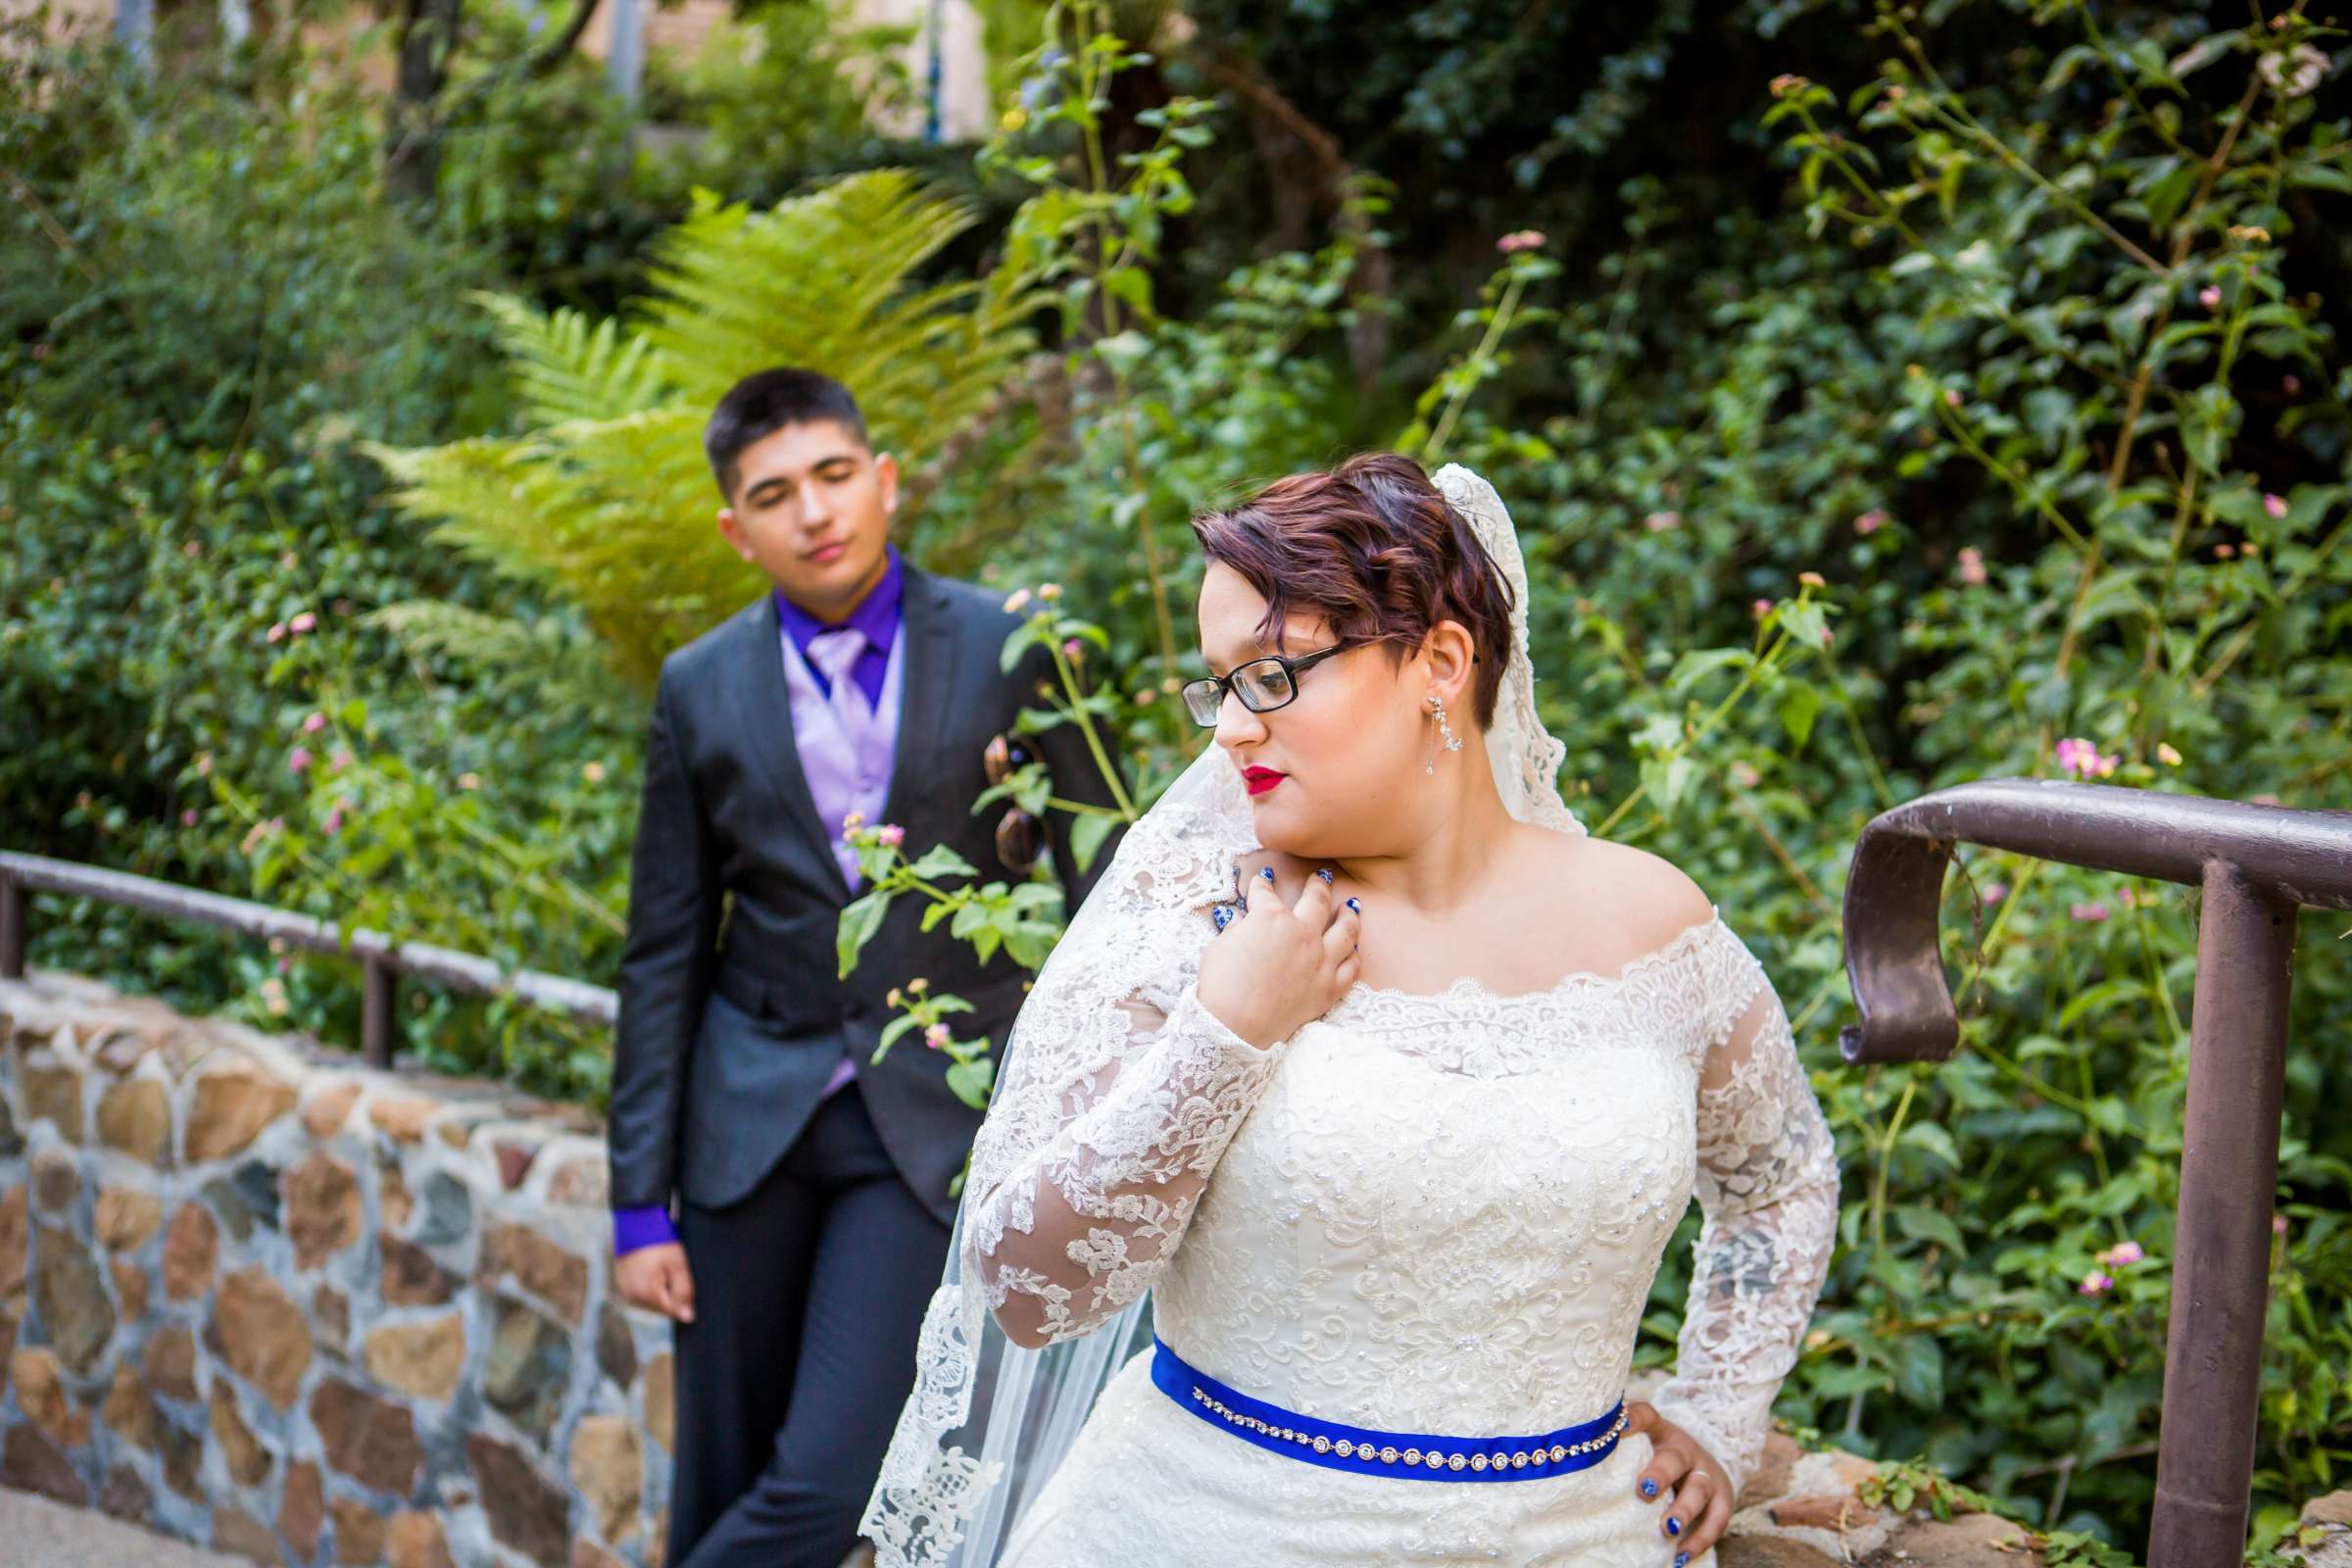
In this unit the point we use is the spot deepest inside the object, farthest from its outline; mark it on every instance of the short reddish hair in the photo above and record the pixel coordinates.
(1374, 549)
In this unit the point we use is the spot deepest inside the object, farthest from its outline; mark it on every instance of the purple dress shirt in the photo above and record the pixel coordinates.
(841, 777)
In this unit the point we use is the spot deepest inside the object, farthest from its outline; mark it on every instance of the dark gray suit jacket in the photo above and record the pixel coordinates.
(731, 1017)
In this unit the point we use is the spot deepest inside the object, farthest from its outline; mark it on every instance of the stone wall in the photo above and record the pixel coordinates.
(261, 1298)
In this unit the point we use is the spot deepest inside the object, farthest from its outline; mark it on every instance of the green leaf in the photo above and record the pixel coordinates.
(1800, 704)
(1087, 834)
(859, 920)
(971, 1081)
(1924, 1224)
(940, 861)
(1918, 1371)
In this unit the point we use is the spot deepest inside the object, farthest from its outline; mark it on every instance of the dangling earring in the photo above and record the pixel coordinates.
(1453, 742)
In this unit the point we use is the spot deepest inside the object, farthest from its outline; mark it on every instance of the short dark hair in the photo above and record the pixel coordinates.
(765, 402)
(1376, 550)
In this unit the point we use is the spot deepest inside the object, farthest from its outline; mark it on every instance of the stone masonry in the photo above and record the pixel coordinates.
(260, 1298)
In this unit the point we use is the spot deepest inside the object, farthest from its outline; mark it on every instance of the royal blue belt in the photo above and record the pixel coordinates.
(1406, 1456)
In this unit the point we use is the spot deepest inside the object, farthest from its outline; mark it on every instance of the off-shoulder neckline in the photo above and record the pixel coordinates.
(1471, 987)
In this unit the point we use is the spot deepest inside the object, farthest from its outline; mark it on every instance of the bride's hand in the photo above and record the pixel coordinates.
(1281, 967)
(1699, 1506)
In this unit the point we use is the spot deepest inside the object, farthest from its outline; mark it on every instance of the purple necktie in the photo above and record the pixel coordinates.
(834, 653)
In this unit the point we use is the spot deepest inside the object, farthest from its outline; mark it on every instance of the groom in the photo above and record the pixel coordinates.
(812, 1212)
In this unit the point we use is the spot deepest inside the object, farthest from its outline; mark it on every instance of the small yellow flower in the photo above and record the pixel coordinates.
(918, 985)
(593, 772)
(1812, 579)
(2166, 754)
(893, 997)
(1048, 591)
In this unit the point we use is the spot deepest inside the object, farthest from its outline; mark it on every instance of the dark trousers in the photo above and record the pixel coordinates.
(809, 1297)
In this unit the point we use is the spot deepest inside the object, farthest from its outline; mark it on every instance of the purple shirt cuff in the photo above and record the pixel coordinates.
(645, 1226)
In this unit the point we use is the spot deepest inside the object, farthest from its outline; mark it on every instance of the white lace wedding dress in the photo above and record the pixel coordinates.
(1433, 1215)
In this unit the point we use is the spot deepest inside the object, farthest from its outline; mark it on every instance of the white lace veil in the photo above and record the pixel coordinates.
(989, 1421)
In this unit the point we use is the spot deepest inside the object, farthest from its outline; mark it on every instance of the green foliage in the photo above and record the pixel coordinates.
(607, 501)
(1979, 412)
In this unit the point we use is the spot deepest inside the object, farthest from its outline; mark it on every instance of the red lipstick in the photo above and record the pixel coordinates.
(1261, 779)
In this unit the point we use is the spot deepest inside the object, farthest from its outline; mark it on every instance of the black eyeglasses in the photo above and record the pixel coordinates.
(1262, 684)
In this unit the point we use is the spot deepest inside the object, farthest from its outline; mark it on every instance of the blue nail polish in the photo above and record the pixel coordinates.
(1649, 1487)
(1674, 1525)
(1679, 1558)
(1358, 907)
(1221, 915)
(1266, 871)
(1325, 873)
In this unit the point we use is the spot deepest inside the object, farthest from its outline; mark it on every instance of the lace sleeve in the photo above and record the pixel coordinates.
(1086, 1224)
(1120, 1090)
(1768, 1191)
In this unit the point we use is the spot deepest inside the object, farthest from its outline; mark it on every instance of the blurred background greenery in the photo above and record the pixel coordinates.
(1889, 397)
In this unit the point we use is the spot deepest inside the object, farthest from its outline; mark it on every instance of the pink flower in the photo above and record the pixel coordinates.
(1972, 567)
(890, 835)
(276, 634)
(593, 772)
(1744, 774)
(1762, 607)
(2082, 759)
(1812, 579)
(338, 760)
(936, 1037)
(1660, 521)
(313, 724)
(187, 818)
(1526, 239)
(2095, 1283)
(1871, 521)
(2277, 1224)
(2275, 505)
(1016, 601)
(299, 760)
(2167, 754)
(1951, 396)
(2121, 1255)
(1995, 892)
(2088, 913)
(2210, 296)
(334, 821)
(1073, 649)
(1785, 84)
(306, 622)
(2290, 384)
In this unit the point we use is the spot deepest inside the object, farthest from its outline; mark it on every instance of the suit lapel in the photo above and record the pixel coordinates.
(926, 623)
(763, 714)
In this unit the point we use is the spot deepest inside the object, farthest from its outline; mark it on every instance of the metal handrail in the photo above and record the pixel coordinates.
(2257, 866)
(382, 960)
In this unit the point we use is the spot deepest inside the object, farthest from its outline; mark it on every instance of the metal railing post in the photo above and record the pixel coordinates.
(379, 987)
(11, 928)
(2257, 866)
(2221, 1262)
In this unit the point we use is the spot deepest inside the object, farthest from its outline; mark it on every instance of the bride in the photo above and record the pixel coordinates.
(1389, 1085)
